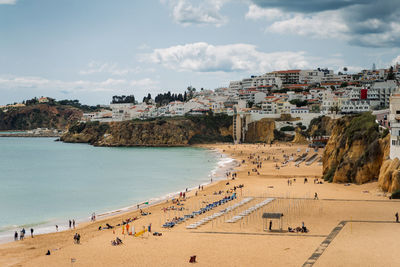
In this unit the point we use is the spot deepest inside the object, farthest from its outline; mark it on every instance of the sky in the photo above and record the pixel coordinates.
(93, 49)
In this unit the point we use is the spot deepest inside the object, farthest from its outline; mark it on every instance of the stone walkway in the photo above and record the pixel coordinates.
(322, 247)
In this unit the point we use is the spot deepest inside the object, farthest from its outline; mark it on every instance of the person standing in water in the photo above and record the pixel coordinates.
(73, 223)
(16, 236)
(32, 232)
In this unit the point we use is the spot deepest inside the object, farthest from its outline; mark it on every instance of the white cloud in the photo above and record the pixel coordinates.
(396, 60)
(8, 2)
(146, 82)
(359, 22)
(143, 47)
(326, 24)
(203, 57)
(188, 12)
(256, 12)
(113, 69)
(40, 83)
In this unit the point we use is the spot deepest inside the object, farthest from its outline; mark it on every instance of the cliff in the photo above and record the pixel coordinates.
(321, 126)
(299, 137)
(39, 116)
(260, 131)
(355, 151)
(159, 132)
(389, 177)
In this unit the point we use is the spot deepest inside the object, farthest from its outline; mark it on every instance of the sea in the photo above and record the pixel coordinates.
(44, 183)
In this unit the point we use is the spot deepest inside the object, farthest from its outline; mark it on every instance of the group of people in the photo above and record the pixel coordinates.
(302, 229)
(71, 224)
(93, 217)
(22, 234)
(77, 238)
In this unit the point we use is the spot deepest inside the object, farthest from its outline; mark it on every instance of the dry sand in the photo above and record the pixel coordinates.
(369, 242)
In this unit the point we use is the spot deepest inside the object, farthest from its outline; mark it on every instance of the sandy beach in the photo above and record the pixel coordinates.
(349, 225)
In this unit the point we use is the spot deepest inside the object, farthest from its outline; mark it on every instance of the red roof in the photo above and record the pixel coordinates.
(288, 71)
(337, 83)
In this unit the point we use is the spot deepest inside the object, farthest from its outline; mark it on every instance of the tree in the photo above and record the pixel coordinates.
(191, 90)
(298, 102)
(344, 84)
(391, 75)
(123, 99)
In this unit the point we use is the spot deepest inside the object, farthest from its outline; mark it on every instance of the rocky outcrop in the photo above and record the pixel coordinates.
(355, 150)
(39, 116)
(260, 131)
(389, 176)
(158, 132)
(321, 126)
(299, 137)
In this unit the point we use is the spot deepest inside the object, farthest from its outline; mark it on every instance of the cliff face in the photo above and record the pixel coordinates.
(39, 116)
(299, 137)
(159, 132)
(389, 177)
(260, 131)
(321, 126)
(355, 151)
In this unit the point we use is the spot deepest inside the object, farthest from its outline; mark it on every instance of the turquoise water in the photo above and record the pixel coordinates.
(12, 132)
(43, 182)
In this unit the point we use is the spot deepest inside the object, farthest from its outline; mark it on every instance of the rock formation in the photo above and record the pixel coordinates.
(355, 151)
(260, 131)
(39, 116)
(158, 132)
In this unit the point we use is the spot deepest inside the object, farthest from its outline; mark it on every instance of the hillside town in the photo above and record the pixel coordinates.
(304, 94)
(301, 93)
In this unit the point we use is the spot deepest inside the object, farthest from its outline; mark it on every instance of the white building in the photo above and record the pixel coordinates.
(356, 106)
(394, 120)
(382, 91)
(299, 110)
(120, 111)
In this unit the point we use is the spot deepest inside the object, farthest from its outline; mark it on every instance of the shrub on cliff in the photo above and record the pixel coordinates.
(361, 127)
(395, 195)
(287, 128)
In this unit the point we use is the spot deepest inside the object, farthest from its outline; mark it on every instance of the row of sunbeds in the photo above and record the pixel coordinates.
(249, 210)
(218, 214)
(198, 212)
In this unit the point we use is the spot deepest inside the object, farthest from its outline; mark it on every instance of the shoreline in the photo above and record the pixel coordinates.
(221, 243)
(44, 229)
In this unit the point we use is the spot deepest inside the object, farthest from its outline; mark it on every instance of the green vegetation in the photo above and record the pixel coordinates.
(395, 195)
(385, 132)
(212, 121)
(330, 174)
(298, 102)
(361, 127)
(287, 128)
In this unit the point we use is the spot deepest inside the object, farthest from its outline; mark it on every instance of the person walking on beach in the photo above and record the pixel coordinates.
(315, 196)
(70, 223)
(32, 232)
(73, 223)
(56, 227)
(16, 236)
(397, 217)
